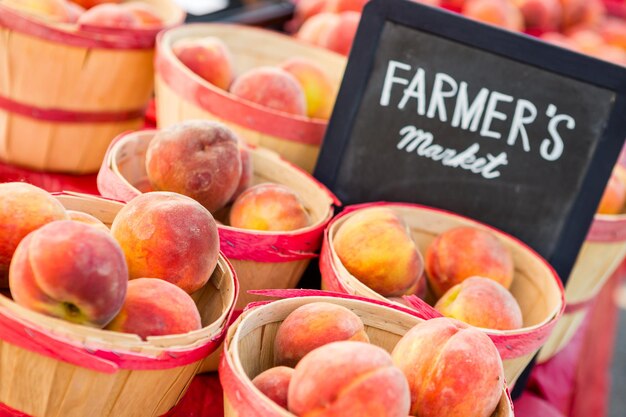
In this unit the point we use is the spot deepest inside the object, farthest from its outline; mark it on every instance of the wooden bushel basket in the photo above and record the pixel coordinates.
(599, 258)
(261, 259)
(249, 348)
(66, 90)
(183, 95)
(536, 287)
(53, 368)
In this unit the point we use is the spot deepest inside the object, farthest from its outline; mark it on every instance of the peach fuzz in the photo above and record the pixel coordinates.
(541, 14)
(463, 252)
(315, 28)
(340, 35)
(51, 9)
(348, 379)
(374, 245)
(154, 307)
(168, 236)
(313, 325)
(614, 196)
(502, 13)
(146, 14)
(274, 384)
(271, 87)
(23, 208)
(453, 370)
(269, 207)
(79, 216)
(72, 271)
(207, 57)
(481, 302)
(318, 89)
(197, 158)
(109, 15)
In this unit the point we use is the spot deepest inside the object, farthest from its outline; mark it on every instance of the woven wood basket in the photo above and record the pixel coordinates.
(51, 367)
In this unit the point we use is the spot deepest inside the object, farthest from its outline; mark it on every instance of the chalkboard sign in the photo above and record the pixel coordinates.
(443, 111)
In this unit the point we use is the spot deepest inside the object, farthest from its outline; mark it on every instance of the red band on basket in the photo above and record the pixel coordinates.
(68, 116)
(572, 308)
(608, 229)
(6, 411)
(232, 109)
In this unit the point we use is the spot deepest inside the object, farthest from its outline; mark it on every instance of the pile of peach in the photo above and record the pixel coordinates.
(468, 270)
(325, 366)
(580, 25)
(135, 278)
(298, 86)
(101, 13)
(614, 197)
(207, 162)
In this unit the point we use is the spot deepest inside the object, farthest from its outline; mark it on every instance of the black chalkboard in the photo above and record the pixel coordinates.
(443, 111)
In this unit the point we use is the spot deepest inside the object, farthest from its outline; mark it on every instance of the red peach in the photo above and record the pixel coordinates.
(79, 216)
(541, 14)
(453, 370)
(23, 208)
(463, 252)
(91, 3)
(313, 325)
(317, 87)
(70, 270)
(109, 15)
(274, 384)
(481, 302)
(348, 379)
(315, 28)
(500, 13)
(614, 197)
(271, 87)
(154, 307)
(196, 158)
(339, 36)
(146, 14)
(581, 13)
(375, 246)
(168, 236)
(269, 207)
(209, 58)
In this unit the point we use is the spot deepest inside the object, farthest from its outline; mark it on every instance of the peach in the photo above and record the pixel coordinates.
(614, 196)
(23, 208)
(463, 252)
(154, 307)
(313, 325)
(586, 41)
(502, 13)
(316, 27)
(274, 384)
(146, 14)
(348, 379)
(582, 13)
(453, 370)
(481, 302)
(273, 88)
(559, 39)
(209, 58)
(339, 36)
(74, 11)
(91, 3)
(247, 172)
(109, 15)
(613, 31)
(375, 246)
(51, 9)
(306, 9)
(79, 216)
(338, 6)
(197, 158)
(269, 207)
(168, 236)
(613, 54)
(72, 271)
(541, 14)
(318, 89)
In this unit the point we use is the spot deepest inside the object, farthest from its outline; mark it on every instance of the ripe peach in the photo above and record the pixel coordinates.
(168, 236)
(559, 39)
(453, 370)
(582, 13)
(269, 207)
(315, 28)
(51, 9)
(338, 6)
(91, 3)
(109, 15)
(313, 325)
(306, 9)
(541, 14)
(154, 307)
(271, 87)
(481, 302)
(208, 57)
(318, 90)
(79, 216)
(586, 41)
(613, 54)
(376, 248)
(348, 379)
(463, 252)
(614, 196)
(247, 171)
(197, 158)
(613, 31)
(500, 13)
(70, 270)
(23, 208)
(339, 36)
(274, 384)
(146, 14)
